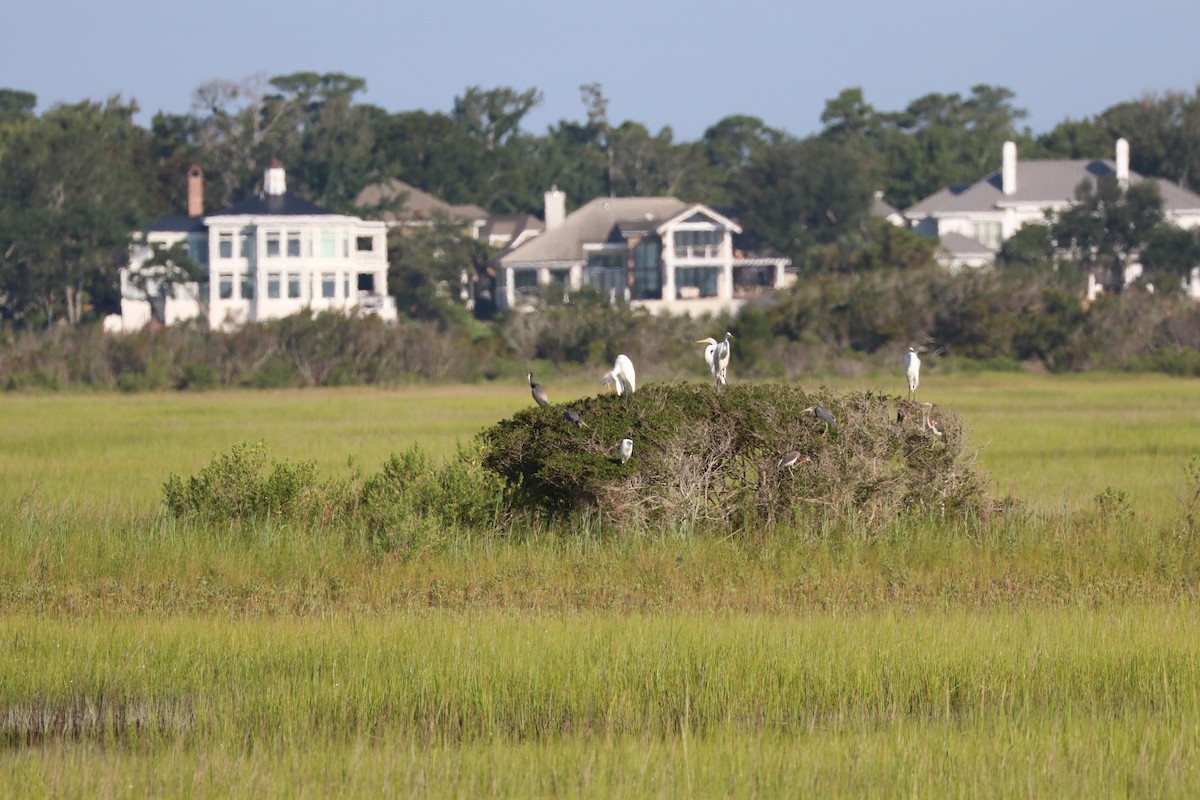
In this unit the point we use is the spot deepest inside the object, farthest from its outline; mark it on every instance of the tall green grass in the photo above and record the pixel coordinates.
(1074, 701)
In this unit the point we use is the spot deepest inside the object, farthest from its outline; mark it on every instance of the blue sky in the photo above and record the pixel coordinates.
(660, 62)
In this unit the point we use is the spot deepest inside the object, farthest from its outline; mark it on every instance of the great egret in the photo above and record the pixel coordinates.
(912, 370)
(791, 458)
(539, 394)
(823, 414)
(622, 376)
(574, 418)
(716, 355)
(626, 449)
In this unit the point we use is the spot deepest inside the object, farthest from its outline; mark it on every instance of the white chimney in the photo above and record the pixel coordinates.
(1123, 163)
(1008, 168)
(274, 180)
(556, 207)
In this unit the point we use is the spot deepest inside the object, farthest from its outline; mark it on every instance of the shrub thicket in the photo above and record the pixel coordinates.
(703, 455)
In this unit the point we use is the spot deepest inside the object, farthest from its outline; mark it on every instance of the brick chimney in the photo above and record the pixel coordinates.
(1008, 168)
(195, 192)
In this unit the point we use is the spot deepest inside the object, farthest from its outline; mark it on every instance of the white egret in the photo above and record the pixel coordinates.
(539, 394)
(823, 414)
(622, 376)
(716, 355)
(626, 449)
(574, 418)
(912, 370)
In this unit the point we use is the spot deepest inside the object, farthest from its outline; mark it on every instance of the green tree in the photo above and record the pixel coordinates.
(166, 271)
(1105, 228)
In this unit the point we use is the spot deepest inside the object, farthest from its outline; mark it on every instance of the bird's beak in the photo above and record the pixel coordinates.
(701, 341)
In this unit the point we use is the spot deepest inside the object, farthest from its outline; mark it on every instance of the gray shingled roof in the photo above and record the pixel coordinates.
(286, 204)
(418, 205)
(959, 245)
(1040, 182)
(510, 225)
(592, 223)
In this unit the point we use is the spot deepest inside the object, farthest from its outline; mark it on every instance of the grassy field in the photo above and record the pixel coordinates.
(1045, 654)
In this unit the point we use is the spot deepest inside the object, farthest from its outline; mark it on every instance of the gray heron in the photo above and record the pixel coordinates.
(622, 376)
(791, 458)
(912, 371)
(626, 449)
(823, 414)
(574, 418)
(539, 394)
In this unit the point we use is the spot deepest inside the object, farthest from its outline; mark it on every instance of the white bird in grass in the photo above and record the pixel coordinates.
(622, 376)
(716, 355)
(912, 370)
(626, 449)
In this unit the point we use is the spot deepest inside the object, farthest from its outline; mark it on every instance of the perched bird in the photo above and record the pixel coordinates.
(539, 394)
(622, 376)
(934, 425)
(791, 458)
(912, 370)
(574, 418)
(626, 449)
(716, 355)
(823, 414)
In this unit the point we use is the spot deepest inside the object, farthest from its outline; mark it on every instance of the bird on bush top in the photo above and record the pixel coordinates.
(622, 376)
(912, 371)
(823, 414)
(791, 458)
(539, 394)
(716, 355)
(574, 418)
(626, 449)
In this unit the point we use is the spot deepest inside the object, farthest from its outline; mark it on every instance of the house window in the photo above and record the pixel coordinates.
(698, 244)
(606, 279)
(525, 281)
(247, 240)
(328, 244)
(987, 233)
(328, 284)
(247, 287)
(225, 245)
(702, 278)
(346, 286)
(272, 285)
(272, 244)
(225, 285)
(364, 244)
(647, 276)
(293, 284)
(293, 244)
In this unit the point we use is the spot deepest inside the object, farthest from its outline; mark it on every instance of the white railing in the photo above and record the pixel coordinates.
(697, 251)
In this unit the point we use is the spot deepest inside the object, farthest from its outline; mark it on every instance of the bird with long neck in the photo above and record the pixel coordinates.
(539, 394)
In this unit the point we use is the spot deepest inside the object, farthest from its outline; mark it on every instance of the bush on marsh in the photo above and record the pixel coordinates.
(707, 456)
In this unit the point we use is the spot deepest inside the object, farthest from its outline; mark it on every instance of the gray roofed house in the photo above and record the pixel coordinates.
(993, 209)
(657, 252)
(405, 204)
(268, 256)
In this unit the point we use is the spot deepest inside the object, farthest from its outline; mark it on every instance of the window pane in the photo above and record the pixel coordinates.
(247, 246)
(273, 285)
(273, 244)
(247, 287)
(328, 244)
(225, 245)
(293, 284)
(328, 284)
(364, 244)
(293, 244)
(225, 285)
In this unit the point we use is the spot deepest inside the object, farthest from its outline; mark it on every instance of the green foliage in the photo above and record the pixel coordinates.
(233, 486)
(707, 456)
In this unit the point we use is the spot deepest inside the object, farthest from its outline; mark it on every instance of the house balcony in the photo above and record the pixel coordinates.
(697, 252)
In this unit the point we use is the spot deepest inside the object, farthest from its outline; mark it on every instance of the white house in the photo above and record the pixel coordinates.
(656, 252)
(973, 221)
(269, 256)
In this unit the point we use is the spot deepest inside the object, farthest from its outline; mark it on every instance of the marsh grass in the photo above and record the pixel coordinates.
(575, 703)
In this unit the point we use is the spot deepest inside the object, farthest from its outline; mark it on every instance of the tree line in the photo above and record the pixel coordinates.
(76, 180)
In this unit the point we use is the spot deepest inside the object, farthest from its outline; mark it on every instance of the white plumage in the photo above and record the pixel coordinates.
(912, 370)
(622, 376)
(626, 449)
(716, 355)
